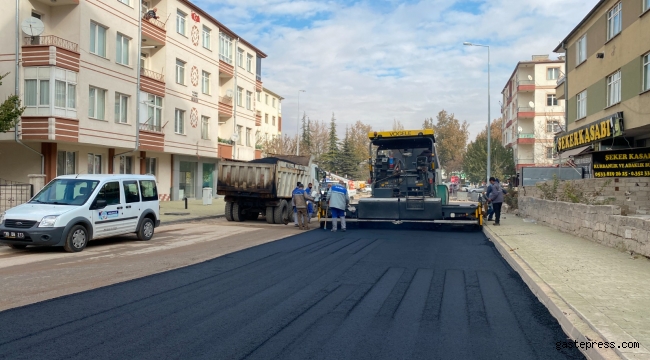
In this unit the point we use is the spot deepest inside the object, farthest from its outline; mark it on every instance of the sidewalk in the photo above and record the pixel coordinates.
(594, 291)
(174, 211)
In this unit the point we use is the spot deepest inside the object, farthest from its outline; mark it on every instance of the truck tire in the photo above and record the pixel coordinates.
(237, 213)
(252, 215)
(228, 211)
(269, 214)
(281, 212)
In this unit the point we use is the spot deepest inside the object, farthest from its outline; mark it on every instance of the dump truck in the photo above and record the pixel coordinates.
(263, 186)
(406, 184)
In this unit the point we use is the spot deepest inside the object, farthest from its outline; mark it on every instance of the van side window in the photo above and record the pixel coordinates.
(148, 190)
(131, 192)
(110, 192)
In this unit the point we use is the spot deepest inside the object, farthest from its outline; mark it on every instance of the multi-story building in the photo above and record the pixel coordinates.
(270, 113)
(88, 111)
(607, 82)
(531, 111)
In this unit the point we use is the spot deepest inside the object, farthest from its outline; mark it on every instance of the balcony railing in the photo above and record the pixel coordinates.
(225, 59)
(526, 136)
(51, 40)
(225, 100)
(560, 80)
(153, 21)
(152, 75)
(525, 161)
(525, 82)
(146, 126)
(525, 109)
(259, 113)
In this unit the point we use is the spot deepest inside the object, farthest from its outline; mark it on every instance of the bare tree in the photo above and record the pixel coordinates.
(397, 125)
(281, 145)
(319, 137)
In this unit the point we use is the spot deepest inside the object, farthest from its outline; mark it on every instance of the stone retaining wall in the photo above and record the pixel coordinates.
(602, 224)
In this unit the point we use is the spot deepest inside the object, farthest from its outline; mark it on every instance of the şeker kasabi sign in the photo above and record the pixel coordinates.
(600, 130)
(633, 162)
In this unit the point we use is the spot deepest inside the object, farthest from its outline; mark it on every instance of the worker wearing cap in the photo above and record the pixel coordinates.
(300, 198)
(338, 200)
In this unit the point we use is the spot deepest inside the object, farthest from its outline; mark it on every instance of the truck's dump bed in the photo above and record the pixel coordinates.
(266, 178)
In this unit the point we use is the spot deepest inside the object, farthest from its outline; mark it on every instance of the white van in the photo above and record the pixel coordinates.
(73, 209)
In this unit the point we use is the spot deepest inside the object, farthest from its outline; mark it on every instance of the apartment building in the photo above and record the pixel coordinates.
(532, 112)
(607, 82)
(270, 115)
(97, 101)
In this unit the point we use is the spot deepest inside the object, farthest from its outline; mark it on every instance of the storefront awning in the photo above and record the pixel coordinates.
(574, 152)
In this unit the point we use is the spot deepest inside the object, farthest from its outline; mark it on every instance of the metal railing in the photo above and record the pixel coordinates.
(225, 100)
(51, 40)
(152, 75)
(155, 22)
(13, 194)
(146, 126)
(561, 78)
(225, 59)
(258, 77)
(526, 135)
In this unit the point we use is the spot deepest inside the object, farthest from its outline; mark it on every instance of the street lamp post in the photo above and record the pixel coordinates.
(489, 153)
(298, 126)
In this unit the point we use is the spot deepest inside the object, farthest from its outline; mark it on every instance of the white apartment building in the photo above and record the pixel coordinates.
(270, 114)
(532, 112)
(86, 105)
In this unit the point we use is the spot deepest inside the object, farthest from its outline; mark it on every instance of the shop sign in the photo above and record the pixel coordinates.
(622, 163)
(604, 129)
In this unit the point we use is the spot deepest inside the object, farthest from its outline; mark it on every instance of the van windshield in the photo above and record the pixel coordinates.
(66, 192)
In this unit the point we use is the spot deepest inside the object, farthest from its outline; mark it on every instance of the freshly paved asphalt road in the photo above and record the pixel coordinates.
(364, 294)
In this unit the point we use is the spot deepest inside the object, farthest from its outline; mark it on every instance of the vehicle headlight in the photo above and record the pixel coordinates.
(48, 221)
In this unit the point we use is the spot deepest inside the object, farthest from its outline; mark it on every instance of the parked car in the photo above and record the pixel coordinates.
(74, 209)
(479, 189)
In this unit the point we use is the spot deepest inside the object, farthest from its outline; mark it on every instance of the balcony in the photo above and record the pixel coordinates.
(50, 50)
(525, 112)
(151, 137)
(525, 138)
(152, 82)
(526, 85)
(226, 70)
(258, 85)
(153, 31)
(225, 106)
(224, 151)
(258, 118)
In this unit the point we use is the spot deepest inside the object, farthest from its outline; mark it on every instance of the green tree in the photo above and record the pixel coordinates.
(502, 160)
(451, 140)
(348, 161)
(331, 157)
(10, 111)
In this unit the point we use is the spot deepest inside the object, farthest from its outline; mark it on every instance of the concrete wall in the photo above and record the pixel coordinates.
(602, 224)
(631, 194)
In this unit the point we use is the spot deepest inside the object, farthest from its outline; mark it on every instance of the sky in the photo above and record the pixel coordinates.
(383, 60)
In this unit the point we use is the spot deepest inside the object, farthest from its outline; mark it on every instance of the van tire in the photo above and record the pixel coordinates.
(237, 213)
(145, 232)
(17, 246)
(281, 212)
(77, 239)
(228, 211)
(269, 214)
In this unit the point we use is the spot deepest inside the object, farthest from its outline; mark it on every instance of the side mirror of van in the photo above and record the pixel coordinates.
(99, 204)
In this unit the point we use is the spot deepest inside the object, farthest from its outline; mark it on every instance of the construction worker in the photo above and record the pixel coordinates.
(496, 199)
(300, 198)
(310, 204)
(293, 206)
(338, 200)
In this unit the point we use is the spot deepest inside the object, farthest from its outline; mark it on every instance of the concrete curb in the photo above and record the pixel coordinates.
(574, 325)
(190, 219)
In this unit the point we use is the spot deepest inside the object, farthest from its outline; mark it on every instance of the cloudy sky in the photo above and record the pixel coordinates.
(380, 60)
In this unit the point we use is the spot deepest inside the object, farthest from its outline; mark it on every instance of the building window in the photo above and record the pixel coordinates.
(125, 2)
(266, 118)
(249, 63)
(122, 49)
(154, 112)
(552, 73)
(549, 152)
(273, 100)
(614, 20)
(206, 38)
(614, 88)
(646, 71)
(179, 122)
(259, 96)
(97, 39)
(240, 58)
(273, 123)
(205, 128)
(96, 103)
(94, 164)
(126, 164)
(240, 95)
(38, 92)
(553, 126)
(581, 99)
(65, 163)
(551, 100)
(266, 99)
(239, 137)
(248, 136)
(121, 108)
(150, 166)
(646, 5)
(249, 100)
(65, 93)
(225, 48)
(581, 49)
(180, 72)
(181, 18)
(205, 82)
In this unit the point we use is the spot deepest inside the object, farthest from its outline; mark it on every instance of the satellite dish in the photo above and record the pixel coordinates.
(519, 129)
(32, 26)
(229, 93)
(234, 137)
(531, 104)
(530, 77)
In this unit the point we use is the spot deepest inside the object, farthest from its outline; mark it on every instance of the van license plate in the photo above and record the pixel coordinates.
(13, 235)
